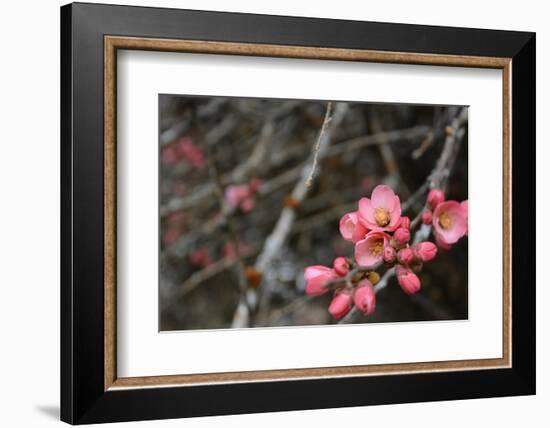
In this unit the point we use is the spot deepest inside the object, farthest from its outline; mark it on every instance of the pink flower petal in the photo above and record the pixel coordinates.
(384, 197)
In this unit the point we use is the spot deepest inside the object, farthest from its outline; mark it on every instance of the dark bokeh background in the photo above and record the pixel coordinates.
(198, 285)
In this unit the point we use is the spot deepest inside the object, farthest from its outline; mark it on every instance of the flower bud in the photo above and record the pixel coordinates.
(425, 251)
(405, 256)
(409, 282)
(364, 297)
(435, 197)
(401, 236)
(341, 266)
(427, 217)
(389, 254)
(340, 305)
(405, 222)
(316, 278)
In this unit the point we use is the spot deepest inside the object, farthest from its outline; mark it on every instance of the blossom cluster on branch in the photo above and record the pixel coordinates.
(382, 237)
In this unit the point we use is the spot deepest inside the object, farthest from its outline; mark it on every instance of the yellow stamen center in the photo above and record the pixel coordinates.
(377, 248)
(445, 221)
(382, 216)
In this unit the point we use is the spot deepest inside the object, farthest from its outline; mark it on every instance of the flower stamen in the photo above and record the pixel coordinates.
(382, 216)
(445, 221)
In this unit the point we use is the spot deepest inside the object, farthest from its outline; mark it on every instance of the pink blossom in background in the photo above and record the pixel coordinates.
(382, 212)
(316, 277)
(364, 297)
(200, 257)
(370, 251)
(170, 236)
(409, 282)
(187, 150)
(351, 229)
(450, 222)
(247, 205)
(229, 249)
(169, 155)
(435, 197)
(175, 218)
(183, 149)
(340, 305)
(405, 222)
(242, 195)
(235, 193)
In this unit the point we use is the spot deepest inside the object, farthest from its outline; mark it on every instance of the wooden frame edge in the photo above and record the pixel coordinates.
(112, 43)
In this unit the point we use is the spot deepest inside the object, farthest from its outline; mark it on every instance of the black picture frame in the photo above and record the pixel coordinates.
(83, 398)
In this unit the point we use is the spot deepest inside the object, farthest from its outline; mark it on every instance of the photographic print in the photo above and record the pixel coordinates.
(281, 213)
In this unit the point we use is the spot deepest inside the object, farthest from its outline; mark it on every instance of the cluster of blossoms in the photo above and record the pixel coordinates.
(183, 149)
(242, 195)
(383, 237)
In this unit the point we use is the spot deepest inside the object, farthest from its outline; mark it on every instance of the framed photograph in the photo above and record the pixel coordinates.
(266, 213)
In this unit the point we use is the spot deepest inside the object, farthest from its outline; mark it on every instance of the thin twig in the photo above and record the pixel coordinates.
(317, 147)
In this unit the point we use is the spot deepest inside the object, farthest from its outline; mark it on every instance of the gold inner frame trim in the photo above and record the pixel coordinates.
(113, 43)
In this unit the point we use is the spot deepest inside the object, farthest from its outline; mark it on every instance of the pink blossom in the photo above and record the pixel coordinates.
(405, 222)
(229, 249)
(351, 229)
(169, 155)
(450, 222)
(401, 236)
(341, 266)
(187, 150)
(409, 282)
(465, 207)
(425, 251)
(239, 196)
(170, 236)
(247, 205)
(364, 297)
(340, 305)
(316, 277)
(200, 257)
(389, 254)
(382, 212)
(427, 217)
(405, 256)
(254, 185)
(370, 251)
(435, 197)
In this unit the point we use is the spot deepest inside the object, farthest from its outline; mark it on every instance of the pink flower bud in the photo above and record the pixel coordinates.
(254, 184)
(364, 297)
(389, 254)
(426, 251)
(341, 266)
(435, 197)
(405, 222)
(402, 236)
(405, 256)
(316, 277)
(409, 282)
(427, 217)
(340, 305)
